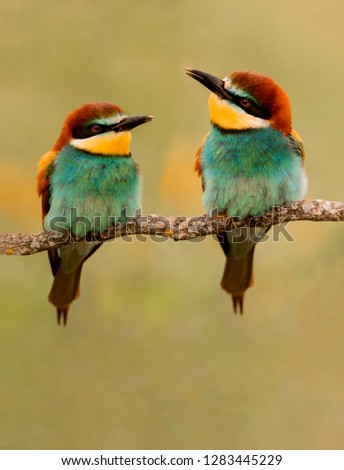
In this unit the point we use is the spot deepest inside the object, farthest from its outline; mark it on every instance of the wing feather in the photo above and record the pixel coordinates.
(296, 142)
(45, 168)
(198, 163)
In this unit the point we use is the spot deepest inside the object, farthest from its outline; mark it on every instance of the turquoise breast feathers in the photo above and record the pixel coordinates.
(98, 187)
(246, 172)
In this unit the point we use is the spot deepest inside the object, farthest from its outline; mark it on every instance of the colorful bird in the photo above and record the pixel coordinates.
(86, 180)
(250, 160)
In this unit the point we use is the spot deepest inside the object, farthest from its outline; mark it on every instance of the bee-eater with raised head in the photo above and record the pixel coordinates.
(250, 160)
(89, 170)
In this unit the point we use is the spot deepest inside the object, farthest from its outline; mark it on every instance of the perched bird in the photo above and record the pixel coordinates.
(250, 160)
(86, 180)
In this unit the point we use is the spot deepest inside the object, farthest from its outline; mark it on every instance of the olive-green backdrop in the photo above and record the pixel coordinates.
(153, 356)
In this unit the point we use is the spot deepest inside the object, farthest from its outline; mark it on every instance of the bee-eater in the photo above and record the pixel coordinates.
(90, 171)
(250, 160)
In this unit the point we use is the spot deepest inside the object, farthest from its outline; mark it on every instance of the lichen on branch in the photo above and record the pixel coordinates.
(176, 227)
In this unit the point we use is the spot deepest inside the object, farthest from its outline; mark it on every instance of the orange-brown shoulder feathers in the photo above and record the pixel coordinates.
(43, 179)
(198, 165)
(296, 142)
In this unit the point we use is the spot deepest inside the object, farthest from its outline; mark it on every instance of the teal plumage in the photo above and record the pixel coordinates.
(250, 160)
(87, 182)
(247, 172)
(98, 187)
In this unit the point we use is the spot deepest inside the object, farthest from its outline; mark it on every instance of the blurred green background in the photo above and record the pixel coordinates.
(153, 356)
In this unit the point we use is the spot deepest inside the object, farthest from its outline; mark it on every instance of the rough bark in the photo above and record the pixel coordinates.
(176, 227)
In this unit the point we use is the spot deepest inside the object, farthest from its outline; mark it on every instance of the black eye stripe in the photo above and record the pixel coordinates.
(254, 109)
(88, 131)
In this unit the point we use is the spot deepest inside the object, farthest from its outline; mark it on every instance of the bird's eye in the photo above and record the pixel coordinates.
(245, 103)
(96, 128)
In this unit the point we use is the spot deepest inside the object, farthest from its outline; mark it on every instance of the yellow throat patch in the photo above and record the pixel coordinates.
(228, 116)
(109, 143)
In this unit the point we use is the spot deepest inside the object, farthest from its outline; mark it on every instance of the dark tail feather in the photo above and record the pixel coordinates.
(238, 300)
(62, 312)
(237, 277)
(64, 290)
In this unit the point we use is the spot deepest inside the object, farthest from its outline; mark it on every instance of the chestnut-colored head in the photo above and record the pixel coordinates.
(246, 100)
(99, 128)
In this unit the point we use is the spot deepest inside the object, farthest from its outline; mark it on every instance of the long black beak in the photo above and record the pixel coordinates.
(214, 84)
(128, 123)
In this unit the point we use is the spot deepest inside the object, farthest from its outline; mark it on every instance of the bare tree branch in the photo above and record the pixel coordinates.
(178, 228)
